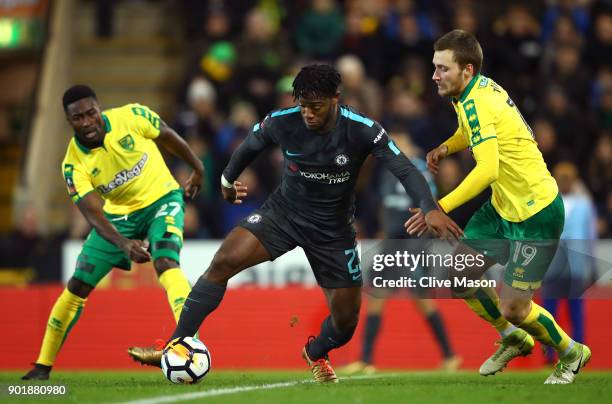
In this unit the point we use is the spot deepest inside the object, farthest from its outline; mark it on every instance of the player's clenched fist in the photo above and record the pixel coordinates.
(434, 156)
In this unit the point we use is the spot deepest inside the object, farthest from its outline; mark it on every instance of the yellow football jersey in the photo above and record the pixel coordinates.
(486, 114)
(128, 171)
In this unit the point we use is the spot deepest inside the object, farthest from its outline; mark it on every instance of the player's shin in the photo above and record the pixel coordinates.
(203, 299)
(329, 338)
(543, 327)
(177, 288)
(434, 320)
(64, 315)
(485, 303)
(371, 329)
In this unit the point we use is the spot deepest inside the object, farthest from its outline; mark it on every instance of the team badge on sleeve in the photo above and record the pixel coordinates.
(68, 177)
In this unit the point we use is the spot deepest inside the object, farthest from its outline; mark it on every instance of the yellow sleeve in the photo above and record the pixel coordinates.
(485, 149)
(145, 122)
(77, 181)
(486, 154)
(481, 118)
(456, 143)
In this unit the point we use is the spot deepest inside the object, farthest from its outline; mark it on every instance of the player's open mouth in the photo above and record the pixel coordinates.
(92, 134)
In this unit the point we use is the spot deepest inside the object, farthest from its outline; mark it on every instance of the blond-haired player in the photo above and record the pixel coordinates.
(520, 225)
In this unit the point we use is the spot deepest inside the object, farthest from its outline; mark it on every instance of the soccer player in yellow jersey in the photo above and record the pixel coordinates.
(520, 225)
(116, 175)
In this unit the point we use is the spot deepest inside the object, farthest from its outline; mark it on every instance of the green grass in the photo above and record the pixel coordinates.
(413, 387)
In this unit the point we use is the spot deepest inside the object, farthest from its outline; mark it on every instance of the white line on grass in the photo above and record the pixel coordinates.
(213, 392)
(233, 390)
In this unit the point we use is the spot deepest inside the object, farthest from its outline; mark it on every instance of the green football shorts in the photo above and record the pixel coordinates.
(161, 223)
(526, 248)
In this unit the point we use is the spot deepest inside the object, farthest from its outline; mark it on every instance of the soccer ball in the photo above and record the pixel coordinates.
(185, 360)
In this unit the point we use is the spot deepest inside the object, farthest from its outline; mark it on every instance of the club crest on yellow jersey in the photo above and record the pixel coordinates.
(127, 142)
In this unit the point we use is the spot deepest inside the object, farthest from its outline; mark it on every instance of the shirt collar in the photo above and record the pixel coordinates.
(107, 125)
(467, 89)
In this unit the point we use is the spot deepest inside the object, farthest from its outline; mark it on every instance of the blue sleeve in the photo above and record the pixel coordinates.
(256, 141)
(384, 150)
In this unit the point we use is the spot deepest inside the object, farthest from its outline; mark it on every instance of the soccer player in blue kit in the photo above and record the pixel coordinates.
(324, 146)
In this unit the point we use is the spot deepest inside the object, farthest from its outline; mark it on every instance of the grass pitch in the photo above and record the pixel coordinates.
(295, 387)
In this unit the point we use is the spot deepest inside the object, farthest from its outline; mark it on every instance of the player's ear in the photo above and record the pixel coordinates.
(469, 69)
(336, 98)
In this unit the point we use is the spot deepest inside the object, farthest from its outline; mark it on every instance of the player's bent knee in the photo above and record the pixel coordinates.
(515, 311)
(79, 288)
(222, 267)
(222, 262)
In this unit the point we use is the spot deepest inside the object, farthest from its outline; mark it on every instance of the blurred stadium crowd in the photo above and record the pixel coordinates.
(553, 58)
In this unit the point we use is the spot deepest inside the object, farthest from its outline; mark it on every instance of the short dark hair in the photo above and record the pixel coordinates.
(77, 92)
(465, 47)
(316, 80)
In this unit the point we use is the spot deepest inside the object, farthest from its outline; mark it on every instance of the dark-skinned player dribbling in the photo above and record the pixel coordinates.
(324, 145)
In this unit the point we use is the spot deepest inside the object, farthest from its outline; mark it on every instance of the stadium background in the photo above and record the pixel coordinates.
(211, 69)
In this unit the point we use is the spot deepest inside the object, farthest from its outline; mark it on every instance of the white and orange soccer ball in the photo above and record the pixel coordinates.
(185, 360)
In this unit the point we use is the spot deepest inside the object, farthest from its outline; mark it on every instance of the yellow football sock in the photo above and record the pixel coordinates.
(543, 327)
(177, 289)
(64, 315)
(485, 303)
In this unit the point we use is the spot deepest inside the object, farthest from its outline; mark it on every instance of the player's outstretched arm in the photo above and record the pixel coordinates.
(482, 175)
(416, 186)
(91, 207)
(172, 142)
